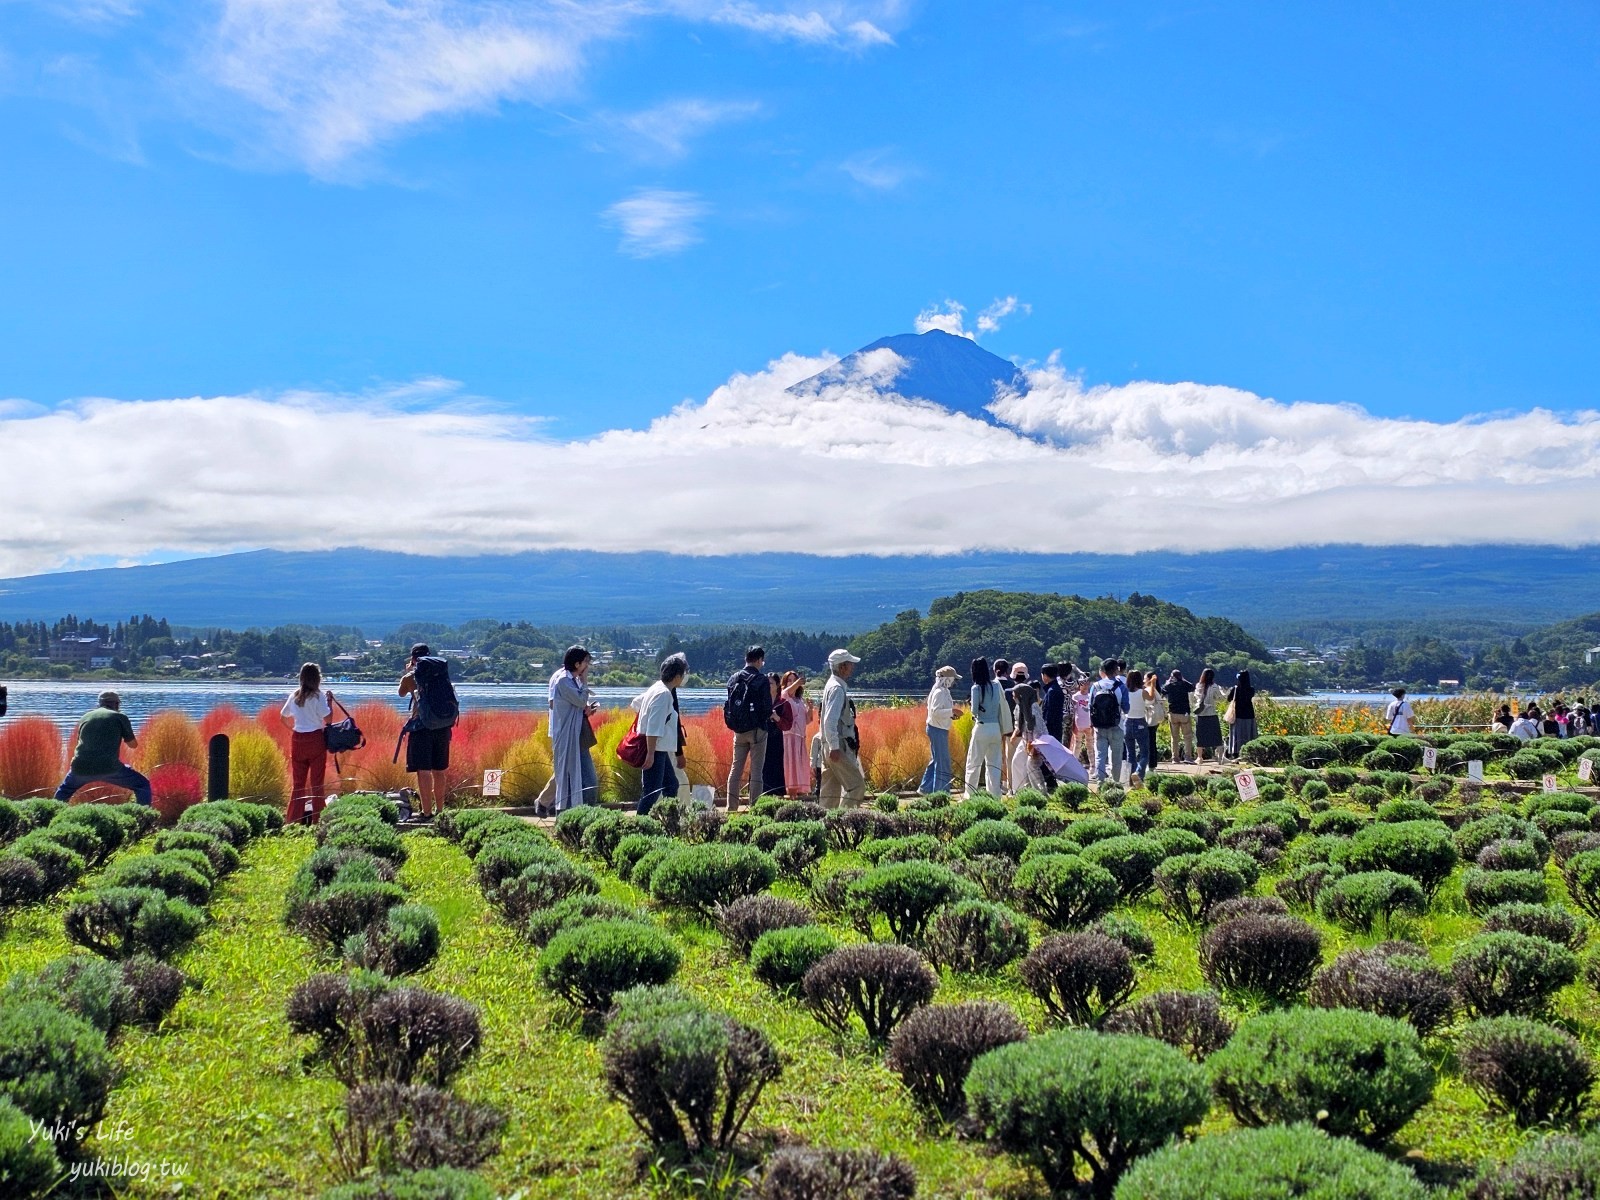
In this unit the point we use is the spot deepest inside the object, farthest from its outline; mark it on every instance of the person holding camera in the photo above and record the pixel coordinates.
(102, 732)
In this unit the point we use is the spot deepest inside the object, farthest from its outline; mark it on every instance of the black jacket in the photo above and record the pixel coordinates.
(760, 694)
(1055, 709)
(1177, 693)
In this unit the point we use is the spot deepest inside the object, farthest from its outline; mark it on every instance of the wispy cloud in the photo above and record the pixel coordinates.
(93, 12)
(883, 476)
(322, 83)
(333, 77)
(656, 222)
(880, 170)
(670, 127)
(951, 317)
(989, 319)
(838, 26)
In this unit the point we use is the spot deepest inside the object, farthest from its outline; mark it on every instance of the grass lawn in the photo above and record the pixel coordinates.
(221, 1090)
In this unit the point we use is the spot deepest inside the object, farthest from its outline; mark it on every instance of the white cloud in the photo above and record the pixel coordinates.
(951, 318)
(655, 222)
(989, 319)
(333, 77)
(1146, 466)
(330, 79)
(671, 126)
(830, 25)
(877, 169)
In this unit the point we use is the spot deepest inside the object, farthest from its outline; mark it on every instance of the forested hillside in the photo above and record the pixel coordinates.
(1037, 628)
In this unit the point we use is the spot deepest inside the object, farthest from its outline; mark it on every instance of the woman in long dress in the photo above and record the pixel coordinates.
(571, 735)
(1207, 717)
(1243, 697)
(796, 738)
(773, 779)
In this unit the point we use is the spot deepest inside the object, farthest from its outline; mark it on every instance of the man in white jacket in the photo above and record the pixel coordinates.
(842, 780)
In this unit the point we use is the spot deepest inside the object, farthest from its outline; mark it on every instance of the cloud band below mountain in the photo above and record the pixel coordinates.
(1115, 469)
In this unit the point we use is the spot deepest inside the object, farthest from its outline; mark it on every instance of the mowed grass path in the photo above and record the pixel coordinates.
(220, 1088)
(566, 1139)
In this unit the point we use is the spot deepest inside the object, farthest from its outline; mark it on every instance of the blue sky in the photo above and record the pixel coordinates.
(1392, 206)
(1278, 275)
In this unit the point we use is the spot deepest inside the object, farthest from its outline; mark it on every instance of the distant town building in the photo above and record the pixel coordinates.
(92, 652)
(1592, 653)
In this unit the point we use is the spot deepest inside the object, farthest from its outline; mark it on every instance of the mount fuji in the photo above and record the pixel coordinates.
(938, 367)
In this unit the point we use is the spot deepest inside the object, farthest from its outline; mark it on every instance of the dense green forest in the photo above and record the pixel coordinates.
(1034, 628)
(1026, 626)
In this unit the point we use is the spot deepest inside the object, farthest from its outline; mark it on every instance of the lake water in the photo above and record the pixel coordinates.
(64, 702)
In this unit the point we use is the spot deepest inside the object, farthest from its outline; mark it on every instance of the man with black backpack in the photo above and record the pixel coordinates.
(434, 710)
(748, 713)
(1108, 703)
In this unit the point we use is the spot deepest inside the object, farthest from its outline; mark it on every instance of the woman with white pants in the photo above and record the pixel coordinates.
(987, 747)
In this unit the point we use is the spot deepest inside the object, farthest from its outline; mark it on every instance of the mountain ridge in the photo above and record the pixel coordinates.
(380, 590)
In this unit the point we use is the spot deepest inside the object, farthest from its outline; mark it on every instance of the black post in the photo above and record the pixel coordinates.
(217, 768)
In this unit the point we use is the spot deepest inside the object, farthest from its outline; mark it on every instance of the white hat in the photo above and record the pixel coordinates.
(841, 656)
(947, 673)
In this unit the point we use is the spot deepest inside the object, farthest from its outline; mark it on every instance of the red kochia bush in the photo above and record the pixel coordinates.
(175, 788)
(30, 758)
(224, 718)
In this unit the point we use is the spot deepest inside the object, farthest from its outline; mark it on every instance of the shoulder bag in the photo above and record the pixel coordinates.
(633, 749)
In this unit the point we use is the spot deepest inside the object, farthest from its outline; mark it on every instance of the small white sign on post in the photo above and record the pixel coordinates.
(1245, 781)
(491, 782)
(1430, 758)
(1551, 784)
(1475, 769)
(1586, 769)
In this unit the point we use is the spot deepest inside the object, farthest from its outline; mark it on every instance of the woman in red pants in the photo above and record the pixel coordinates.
(306, 711)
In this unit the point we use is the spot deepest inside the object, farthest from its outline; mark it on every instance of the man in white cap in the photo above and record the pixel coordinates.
(842, 781)
(98, 759)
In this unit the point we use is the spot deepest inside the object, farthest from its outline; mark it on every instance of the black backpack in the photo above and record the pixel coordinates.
(740, 712)
(1105, 710)
(436, 706)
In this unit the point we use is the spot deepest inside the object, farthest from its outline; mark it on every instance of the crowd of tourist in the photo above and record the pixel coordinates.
(1065, 723)
(1061, 725)
(1559, 720)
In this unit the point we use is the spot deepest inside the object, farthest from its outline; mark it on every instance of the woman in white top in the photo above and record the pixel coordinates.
(991, 720)
(941, 715)
(1207, 717)
(1398, 715)
(306, 711)
(661, 727)
(1136, 745)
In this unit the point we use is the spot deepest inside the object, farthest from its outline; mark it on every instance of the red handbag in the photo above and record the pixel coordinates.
(633, 749)
(785, 714)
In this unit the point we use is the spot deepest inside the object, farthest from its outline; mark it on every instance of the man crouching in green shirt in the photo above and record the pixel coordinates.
(98, 759)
